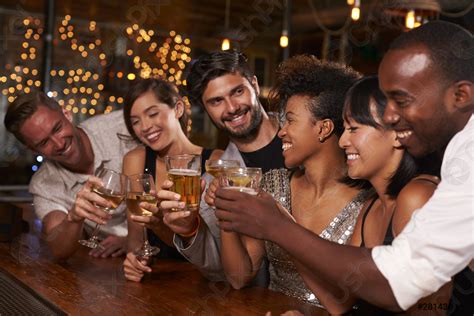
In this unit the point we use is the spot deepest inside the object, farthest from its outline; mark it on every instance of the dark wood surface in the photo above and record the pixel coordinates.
(85, 285)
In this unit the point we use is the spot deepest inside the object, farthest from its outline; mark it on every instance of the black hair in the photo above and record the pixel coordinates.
(211, 66)
(325, 83)
(357, 108)
(451, 48)
(163, 90)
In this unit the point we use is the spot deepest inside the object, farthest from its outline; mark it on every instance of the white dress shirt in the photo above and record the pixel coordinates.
(438, 242)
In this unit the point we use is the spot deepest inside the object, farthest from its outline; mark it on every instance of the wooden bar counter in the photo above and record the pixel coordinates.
(83, 285)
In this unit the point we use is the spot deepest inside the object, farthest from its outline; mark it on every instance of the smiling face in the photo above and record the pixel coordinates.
(299, 133)
(231, 102)
(371, 152)
(154, 122)
(419, 102)
(52, 134)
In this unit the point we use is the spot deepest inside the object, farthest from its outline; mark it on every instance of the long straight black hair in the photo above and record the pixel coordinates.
(357, 108)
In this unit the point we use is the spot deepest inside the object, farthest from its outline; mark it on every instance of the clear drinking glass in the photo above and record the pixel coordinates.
(141, 188)
(185, 172)
(113, 191)
(216, 167)
(241, 179)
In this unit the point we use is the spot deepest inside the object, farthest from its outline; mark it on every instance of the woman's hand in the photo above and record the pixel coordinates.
(210, 196)
(175, 215)
(135, 269)
(150, 222)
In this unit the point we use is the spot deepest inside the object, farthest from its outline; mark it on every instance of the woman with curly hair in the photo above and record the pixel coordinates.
(310, 95)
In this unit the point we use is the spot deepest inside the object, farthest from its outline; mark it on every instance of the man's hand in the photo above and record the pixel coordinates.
(113, 246)
(255, 216)
(175, 215)
(135, 269)
(85, 204)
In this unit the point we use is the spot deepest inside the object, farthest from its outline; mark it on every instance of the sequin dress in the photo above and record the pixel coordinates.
(283, 274)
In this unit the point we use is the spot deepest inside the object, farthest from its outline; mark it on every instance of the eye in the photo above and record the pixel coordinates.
(134, 122)
(239, 91)
(153, 114)
(58, 128)
(352, 129)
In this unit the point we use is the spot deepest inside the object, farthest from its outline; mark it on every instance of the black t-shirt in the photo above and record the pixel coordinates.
(267, 158)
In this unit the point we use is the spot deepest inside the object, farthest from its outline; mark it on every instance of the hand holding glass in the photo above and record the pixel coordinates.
(141, 188)
(113, 191)
(185, 172)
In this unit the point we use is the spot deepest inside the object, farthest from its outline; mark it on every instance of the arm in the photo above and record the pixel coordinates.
(63, 230)
(351, 269)
(241, 258)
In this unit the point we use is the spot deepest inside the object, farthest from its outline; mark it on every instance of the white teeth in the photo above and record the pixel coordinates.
(352, 156)
(152, 136)
(402, 135)
(286, 146)
(237, 118)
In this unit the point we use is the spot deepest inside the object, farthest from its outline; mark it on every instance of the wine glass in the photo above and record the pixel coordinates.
(141, 188)
(216, 167)
(241, 179)
(113, 191)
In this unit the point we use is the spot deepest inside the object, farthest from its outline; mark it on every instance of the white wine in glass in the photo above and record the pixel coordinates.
(141, 188)
(113, 191)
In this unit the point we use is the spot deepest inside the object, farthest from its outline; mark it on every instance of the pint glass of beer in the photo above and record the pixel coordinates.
(241, 179)
(185, 172)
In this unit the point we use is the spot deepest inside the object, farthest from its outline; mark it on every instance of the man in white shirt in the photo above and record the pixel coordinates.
(428, 78)
(61, 188)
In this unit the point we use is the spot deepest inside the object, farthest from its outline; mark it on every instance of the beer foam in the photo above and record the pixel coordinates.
(184, 172)
(250, 191)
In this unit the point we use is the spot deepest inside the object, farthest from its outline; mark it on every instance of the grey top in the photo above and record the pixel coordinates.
(54, 188)
(283, 274)
(204, 249)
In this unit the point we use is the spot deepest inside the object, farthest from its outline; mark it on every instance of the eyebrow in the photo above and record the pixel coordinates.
(146, 110)
(231, 92)
(398, 93)
(55, 127)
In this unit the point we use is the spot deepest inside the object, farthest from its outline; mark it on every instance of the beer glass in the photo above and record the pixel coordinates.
(113, 191)
(241, 179)
(216, 167)
(141, 188)
(185, 172)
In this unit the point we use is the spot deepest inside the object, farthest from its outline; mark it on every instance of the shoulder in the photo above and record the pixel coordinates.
(138, 153)
(47, 172)
(412, 197)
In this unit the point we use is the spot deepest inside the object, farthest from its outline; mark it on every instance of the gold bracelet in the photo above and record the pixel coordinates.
(194, 231)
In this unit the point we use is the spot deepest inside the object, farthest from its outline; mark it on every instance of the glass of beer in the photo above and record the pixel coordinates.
(113, 191)
(141, 188)
(216, 167)
(241, 179)
(185, 172)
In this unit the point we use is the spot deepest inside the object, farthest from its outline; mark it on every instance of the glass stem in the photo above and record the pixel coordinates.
(145, 239)
(95, 232)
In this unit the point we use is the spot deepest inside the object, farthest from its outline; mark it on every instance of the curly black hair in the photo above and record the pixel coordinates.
(326, 83)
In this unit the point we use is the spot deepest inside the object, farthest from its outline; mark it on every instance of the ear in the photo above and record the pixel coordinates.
(326, 128)
(254, 83)
(67, 114)
(464, 96)
(179, 109)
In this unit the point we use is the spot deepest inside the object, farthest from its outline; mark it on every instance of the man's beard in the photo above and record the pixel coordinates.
(249, 133)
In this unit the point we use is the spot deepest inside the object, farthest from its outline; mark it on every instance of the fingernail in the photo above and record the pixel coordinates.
(181, 204)
(187, 213)
(177, 197)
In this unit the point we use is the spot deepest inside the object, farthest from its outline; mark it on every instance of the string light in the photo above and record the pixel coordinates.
(225, 44)
(410, 19)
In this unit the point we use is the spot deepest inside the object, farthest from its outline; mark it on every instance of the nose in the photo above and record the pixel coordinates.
(391, 116)
(344, 140)
(145, 125)
(232, 106)
(57, 141)
(282, 131)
